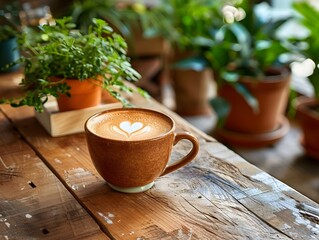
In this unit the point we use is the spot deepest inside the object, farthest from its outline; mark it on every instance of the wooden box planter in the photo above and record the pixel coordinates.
(64, 123)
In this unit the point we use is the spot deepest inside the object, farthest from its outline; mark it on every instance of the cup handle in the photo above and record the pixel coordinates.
(186, 159)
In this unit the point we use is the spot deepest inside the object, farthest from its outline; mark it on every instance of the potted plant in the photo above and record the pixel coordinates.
(9, 29)
(308, 107)
(131, 19)
(187, 27)
(83, 11)
(253, 82)
(66, 57)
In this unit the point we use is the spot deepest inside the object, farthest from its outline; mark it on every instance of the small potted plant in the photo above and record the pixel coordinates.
(66, 57)
(9, 29)
(308, 107)
(253, 83)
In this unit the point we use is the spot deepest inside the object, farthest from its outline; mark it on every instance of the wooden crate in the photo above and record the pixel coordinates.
(64, 123)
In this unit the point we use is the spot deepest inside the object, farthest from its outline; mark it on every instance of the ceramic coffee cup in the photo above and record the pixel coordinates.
(131, 147)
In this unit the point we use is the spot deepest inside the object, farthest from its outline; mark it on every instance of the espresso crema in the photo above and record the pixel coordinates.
(129, 125)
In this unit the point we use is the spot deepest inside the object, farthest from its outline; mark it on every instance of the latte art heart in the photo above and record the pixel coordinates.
(129, 129)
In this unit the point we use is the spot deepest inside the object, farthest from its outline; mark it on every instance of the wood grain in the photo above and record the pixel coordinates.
(217, 196)
(33, 202)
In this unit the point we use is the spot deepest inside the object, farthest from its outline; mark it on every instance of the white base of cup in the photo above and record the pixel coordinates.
(132, 189)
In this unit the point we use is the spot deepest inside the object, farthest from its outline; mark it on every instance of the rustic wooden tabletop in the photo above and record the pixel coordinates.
(49, 189)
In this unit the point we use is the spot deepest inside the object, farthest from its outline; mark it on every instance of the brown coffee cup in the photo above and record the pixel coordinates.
(131, 147)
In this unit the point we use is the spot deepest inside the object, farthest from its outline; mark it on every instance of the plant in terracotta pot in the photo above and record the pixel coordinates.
(253, 82)
(9, 29)
(83, 11)
(66, 57)
(131, 19)
(188, 28)
(308, 107)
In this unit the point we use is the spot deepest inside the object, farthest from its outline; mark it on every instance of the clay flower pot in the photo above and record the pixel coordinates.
(84, 94)
(308, 118)
(246, 128)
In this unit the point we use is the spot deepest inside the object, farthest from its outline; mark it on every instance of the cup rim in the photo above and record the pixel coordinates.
(129, 109)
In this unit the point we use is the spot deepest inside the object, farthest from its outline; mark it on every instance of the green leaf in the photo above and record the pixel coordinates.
(203, 41)
(144, 93)
(230, 77)
(193, 63)
(244, 40)
(249, 98)
(222, 108)
(70, 25)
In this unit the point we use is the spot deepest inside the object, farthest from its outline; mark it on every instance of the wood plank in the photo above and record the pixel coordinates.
(217, 196)
(287, 161)
(33, 202)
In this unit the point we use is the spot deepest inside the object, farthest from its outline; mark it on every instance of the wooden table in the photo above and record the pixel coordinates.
(49, 189)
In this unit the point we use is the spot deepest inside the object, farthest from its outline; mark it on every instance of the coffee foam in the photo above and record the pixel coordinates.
(129, 125)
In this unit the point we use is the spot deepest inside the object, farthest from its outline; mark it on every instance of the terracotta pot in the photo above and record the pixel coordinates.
(272, 96)
(108, 98)
(192, 91)
(308, 119)
(84, 94)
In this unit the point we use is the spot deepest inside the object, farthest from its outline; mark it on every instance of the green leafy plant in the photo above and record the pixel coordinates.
(83, 11)
(125, 17)
(247, 46)
(188, 26)
(188, 23)
(66, 52)
(308, 17)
